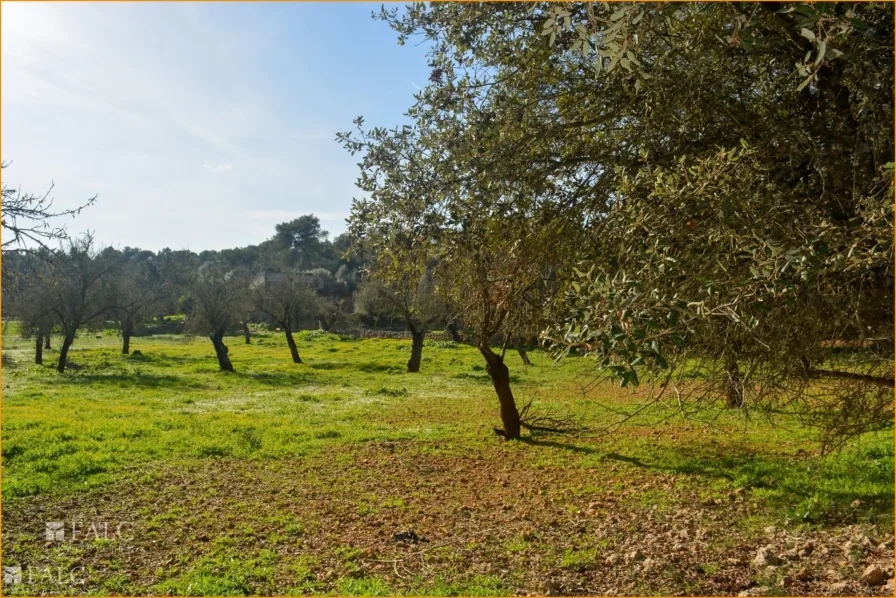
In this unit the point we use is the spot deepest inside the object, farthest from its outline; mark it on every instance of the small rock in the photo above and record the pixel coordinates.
(890, 587)
(838, 586)
(807, 548)
(873, 575)
(552, 588)
(886, 545)
(408, 537)
(766, 557)
(769, 530)
(856, 503)
(612, 560)
(648, 564)
(802, 575)
(757, 591)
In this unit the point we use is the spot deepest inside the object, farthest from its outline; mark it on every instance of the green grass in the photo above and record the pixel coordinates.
(113, 418)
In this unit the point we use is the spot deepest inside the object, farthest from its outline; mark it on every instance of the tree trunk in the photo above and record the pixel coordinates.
(734, 384)
(416, 350)
(39, 350)
(500, 376)
(47, 341)
(221, 351)
(292, 345)
(246, 333)
(67, 341)
(325, 324)
(455, 336)
(125, 342)
(522, 351)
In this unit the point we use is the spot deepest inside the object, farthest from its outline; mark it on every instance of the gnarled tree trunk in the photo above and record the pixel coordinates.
(500, 375)
(734, 389)
(455, 335)
(522, 351)
(125, 341)
(47, 341)
(67, 341)
(294, 351)
(39, 350)
(221, 351)
(246, 333)
(416, 349)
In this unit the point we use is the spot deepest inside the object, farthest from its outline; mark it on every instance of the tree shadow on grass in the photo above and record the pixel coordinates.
(283, 379)
(126, 380)
(813, 490)
(164, 360)
(535, 441)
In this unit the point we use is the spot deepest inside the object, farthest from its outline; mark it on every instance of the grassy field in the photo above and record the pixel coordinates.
(346, 475)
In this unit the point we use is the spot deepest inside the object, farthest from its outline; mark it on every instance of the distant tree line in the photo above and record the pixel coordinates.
(297, 279)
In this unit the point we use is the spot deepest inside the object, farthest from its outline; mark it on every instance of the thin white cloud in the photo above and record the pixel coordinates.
(164, 107)
(223, 167)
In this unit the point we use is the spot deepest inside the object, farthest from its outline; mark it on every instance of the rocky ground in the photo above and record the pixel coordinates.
(396, 518)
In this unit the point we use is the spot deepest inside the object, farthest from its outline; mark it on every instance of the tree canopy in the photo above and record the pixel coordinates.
(679, 181)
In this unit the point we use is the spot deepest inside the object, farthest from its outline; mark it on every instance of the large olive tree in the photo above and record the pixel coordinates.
(726, 171)
(495, 242)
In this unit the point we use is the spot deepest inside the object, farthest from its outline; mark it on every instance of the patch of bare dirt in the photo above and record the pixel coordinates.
(404, 514)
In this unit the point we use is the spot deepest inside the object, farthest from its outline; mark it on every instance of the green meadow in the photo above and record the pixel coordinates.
(345, 475)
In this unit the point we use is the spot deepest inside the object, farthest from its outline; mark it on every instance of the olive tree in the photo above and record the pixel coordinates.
(411, 296)
(139, 290)
(33, 306)
(79, 289)
(494, 242)
(220, 297)
(288, 302)
(730, 166)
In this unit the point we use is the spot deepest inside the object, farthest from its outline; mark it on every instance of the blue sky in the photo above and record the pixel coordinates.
(198, 125)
